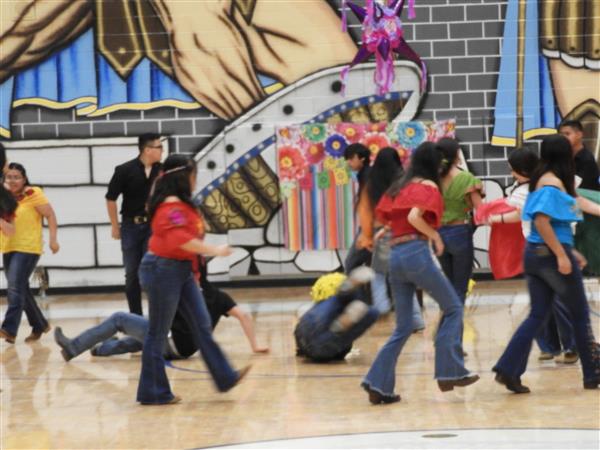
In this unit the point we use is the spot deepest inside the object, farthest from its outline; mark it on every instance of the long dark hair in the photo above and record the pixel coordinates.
(555, 157)
(449, 148)
(173, 180)
(386, 168)
(8, 203)
(523, 161)
(424, 163)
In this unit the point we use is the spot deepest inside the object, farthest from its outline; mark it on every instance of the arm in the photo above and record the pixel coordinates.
(8, 228)
(476, 199)
(48, 212)
(248, 327)
(366, 218)
(198, 246)
(415, 218)
(510, 217)
(544, 228)
(111, 208)
(588, 206)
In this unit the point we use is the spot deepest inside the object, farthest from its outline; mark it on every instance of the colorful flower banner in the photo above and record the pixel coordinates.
(316, 184)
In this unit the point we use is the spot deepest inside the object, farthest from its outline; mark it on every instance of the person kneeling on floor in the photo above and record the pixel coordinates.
(326, 331)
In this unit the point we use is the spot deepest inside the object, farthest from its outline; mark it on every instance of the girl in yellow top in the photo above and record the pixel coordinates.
(462, 193)
(21, 252)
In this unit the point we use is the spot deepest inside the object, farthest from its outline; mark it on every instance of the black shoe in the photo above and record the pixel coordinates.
(448, 385)
(594, 384)
(377, 398)
(512, 384)
(63, 342)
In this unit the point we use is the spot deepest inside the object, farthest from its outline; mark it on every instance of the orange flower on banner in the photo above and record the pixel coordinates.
(292, 165)
(375, 142)
(341, 176)
(377, 127)
(352, 132)
(315, 152)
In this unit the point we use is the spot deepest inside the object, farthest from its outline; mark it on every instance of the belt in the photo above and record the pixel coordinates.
(407, 238)
(136, 219)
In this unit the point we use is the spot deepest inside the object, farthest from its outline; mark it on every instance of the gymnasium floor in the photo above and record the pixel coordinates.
(287, 403)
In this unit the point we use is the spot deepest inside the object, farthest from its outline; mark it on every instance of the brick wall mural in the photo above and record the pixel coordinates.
(79, 80)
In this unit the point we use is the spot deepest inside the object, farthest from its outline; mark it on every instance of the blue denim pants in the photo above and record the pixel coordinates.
(18, 268)
(170, 285)
(132, 325)
(317, 341)
(134, 242)
(413, 265)
(457, 259)
(544, 282)
(556, 334)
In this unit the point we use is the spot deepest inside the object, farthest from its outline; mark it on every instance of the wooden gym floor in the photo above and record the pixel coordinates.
(90, 402)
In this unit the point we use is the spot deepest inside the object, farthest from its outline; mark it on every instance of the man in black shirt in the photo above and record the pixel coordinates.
(586, 167)
(133, 180)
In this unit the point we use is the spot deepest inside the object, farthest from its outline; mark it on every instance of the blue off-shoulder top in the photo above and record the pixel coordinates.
(559, 206)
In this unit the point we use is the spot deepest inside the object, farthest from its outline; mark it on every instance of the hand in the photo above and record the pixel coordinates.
(438, 244)
(364, 242)
(258, 349)
(54, 246)
(115, 232)
(223, 250)
(564, 265)
(494, 218)
(581, 260)
(380, 233)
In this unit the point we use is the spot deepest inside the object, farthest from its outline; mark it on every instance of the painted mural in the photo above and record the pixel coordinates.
(550, 70)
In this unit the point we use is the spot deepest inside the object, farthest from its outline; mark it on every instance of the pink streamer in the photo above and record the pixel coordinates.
(344, 16)
(411, 9)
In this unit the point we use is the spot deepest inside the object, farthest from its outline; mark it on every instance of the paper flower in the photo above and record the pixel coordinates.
(315, 152)
(341, 176)
(351, 132)
(335, 145)
(410, 134)
(287, 188)
(292, 164)
(326, 286)
(330, 163)
(323, 181)
(315, 132)
(306, 182)
(375, 142)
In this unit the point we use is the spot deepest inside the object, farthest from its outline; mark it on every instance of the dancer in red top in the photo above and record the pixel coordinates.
(167, 275)
(412, 208)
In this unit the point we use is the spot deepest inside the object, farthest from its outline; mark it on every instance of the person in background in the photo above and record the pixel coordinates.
(552, 267)
(101, 340)
(8, 203)
(358, 158)
(327, 330)
(133, 180)
(412, 208)
(168, 274)
(21, 252)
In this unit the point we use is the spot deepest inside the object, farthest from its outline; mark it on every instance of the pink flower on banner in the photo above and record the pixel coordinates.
(315, 152)
(377, 127)
(292, 164)
(352, 132)
(306, 182)
(375, 142)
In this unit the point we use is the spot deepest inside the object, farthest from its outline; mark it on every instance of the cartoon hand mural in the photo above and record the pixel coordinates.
(30, 30)
(215, 49)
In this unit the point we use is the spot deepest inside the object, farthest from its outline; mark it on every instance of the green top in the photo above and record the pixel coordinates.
(456, 206)
(593, 196)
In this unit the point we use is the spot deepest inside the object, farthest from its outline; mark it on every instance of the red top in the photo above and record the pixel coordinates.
(174, 224)
(393, 212)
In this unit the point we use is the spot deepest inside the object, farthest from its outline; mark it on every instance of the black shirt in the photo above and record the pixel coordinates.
(130, 180)
(586, 167)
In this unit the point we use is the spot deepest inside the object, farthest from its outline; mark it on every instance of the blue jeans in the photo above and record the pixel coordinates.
(457, 259)
(381, 300)
(412, 264)
(557, 334)
(170, 285)
(134, 242)
(18, 267)
(544, 282)
(314, 338)
(132, 325)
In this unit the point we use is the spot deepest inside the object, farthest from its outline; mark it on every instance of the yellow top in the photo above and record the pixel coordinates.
(28, 224)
